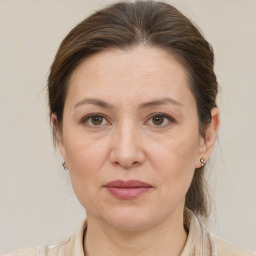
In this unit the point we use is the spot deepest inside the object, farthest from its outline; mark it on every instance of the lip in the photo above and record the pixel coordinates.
(127, 190)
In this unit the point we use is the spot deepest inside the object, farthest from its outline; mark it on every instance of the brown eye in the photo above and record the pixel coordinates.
(94, 120)
(97, 120)
(158, 120)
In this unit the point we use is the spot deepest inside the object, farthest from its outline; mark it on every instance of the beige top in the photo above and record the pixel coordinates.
(199, 243)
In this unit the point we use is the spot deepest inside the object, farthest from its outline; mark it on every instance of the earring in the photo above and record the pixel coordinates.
(202, 161)
(64, 165)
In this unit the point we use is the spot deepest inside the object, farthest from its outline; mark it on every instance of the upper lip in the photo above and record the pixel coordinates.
(127, 184)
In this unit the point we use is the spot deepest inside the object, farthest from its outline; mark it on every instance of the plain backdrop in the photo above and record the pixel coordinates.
(37, 204)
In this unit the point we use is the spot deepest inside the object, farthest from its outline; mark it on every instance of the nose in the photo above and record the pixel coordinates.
(126, 150)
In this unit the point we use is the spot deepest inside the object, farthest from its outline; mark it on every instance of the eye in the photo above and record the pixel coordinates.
(94, 120)
(160, 120)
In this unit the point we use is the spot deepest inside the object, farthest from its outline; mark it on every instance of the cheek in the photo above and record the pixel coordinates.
(174, 161)
(85, 158)
(84, 153)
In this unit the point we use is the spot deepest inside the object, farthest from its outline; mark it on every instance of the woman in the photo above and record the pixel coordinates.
(132, 96)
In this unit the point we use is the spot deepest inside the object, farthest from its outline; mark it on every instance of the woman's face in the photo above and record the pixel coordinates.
(130, 137)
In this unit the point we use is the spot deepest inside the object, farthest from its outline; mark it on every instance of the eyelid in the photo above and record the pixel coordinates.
(170, 118)
(86, 117)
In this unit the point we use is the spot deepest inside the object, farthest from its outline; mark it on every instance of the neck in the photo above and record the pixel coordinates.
(166, 238)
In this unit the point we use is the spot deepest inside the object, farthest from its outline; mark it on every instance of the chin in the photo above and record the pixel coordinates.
(128, 224)
(130, 220)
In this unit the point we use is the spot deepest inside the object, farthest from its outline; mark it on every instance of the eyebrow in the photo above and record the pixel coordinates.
(103, 104)
(159, 102)
(96, 102)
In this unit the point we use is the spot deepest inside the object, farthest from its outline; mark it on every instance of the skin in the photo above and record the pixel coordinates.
(128, 143)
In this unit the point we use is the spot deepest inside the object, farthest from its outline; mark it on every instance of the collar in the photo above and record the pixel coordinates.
(77, 241)
(199, 242)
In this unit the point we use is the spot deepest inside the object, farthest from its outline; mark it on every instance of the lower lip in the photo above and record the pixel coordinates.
(128, 193)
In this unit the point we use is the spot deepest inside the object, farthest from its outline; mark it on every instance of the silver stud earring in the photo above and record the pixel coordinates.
(202, 161)
(64, 165)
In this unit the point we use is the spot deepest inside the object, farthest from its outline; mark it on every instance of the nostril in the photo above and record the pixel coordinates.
(126, 155)
(126, 165)
(134, 164)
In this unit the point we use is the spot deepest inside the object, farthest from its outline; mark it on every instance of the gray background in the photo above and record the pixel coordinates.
(37, 204)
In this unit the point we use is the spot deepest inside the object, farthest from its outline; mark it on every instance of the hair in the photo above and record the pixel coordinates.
(127, 24)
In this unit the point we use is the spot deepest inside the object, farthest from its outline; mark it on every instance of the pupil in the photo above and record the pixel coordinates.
(97, 120)
(158, 120)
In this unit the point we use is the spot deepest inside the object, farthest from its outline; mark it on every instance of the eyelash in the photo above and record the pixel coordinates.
(169, 118)
(87, 117)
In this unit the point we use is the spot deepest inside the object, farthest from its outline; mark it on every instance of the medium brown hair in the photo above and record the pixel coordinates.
(157, 24)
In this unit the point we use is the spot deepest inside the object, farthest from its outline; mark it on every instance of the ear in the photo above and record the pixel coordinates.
(58, 135)
(207, 143)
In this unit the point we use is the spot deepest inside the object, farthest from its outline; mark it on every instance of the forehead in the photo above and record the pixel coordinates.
(131, 73)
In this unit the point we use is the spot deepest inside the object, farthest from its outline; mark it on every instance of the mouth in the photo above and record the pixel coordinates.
(127, 190)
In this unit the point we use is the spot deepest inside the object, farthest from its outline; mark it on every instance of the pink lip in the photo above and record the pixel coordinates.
(126, 190)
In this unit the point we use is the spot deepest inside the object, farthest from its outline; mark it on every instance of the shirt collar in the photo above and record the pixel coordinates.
(77, 241)
(199, 241)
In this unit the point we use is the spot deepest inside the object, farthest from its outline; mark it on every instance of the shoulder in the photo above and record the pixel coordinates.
(225, 248)
(31, 251)
(67, 247)
(62, 248)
